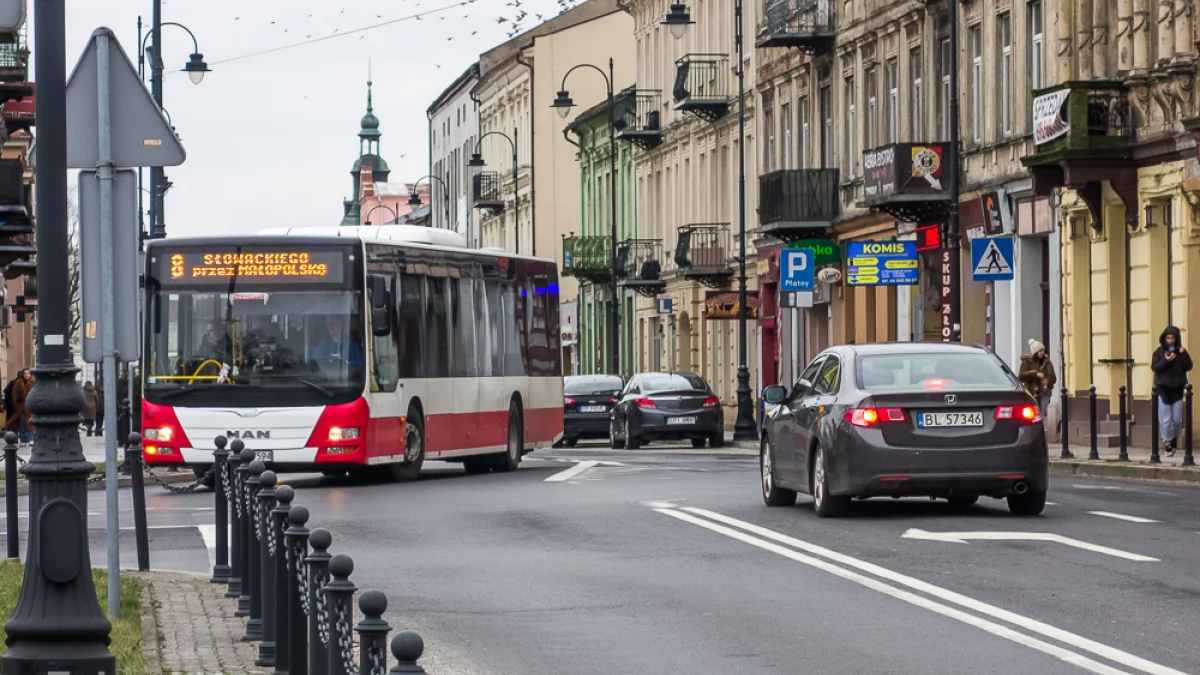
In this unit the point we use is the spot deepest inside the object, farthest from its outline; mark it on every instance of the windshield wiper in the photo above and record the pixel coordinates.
(317, 388)
(190, 388)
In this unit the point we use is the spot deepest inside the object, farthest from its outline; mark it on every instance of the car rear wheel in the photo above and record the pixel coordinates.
(614, 441)
(1028, 504)
(824, 504)
(698, 442)
(773, 495)
(632, 442)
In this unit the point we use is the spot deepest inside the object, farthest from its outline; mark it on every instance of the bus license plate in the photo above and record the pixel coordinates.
(681, 420)
(953, 419)
(264, 455)
(591, 408)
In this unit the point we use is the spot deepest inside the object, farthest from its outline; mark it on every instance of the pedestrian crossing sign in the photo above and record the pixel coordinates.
(992, 259)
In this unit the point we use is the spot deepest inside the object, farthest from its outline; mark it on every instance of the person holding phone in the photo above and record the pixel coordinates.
(1171, 364)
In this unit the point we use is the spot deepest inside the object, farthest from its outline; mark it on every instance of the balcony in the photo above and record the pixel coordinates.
(702, 85)
(640, 122)
(639, 264)
(807, 25)
(588, 258)
(487, 189)
(702, 254)
(1084, 135)
(908, 181)
(14, 57)
(795, 202)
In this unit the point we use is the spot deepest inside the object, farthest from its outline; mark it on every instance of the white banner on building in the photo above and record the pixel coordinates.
(1048, 122)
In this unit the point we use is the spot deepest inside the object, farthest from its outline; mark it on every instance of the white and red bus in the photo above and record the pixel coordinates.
(350, 350)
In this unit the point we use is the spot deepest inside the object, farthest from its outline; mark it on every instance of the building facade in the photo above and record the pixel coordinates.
(453, 135)
(18, 315)
(687, 194)
(1116, 128)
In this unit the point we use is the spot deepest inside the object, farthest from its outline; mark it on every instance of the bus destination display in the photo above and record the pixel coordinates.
(273, 266)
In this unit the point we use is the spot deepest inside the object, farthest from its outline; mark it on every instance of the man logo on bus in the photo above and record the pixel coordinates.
(248, 433)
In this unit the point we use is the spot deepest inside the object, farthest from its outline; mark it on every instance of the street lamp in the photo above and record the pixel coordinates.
(677, 19)
(563, 104)
(476, 164)
(395, 215)
(414, 200)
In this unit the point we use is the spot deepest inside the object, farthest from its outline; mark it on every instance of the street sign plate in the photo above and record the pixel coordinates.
(992, 259)
(797, 299)
(882, 263)
(141, 135)
(796, 269)
(664, 305)
(125, 265)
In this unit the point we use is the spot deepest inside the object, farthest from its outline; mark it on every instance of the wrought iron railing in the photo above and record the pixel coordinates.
(798, 196)
(702, 78)
(587, 257)
(487, 190)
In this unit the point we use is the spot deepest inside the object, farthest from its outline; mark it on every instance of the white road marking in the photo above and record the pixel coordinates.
(1051, 503)
(1044, 629)
(903, 595)
(209, 534)
(572, 472)
(964, 537)
(1097, 487)
(1122, 516)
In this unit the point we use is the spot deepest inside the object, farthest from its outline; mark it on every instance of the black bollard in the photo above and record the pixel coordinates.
(220, 573)
(133, 458)
(254, 560)
(407, 647)
(1155, 458)
(1095, 451)
(266, 500)
(279, 515)
(317, 564)
(372, 633)
(247, 528)
(339, 594)
(1123, 416)
(233, 494)
(11, 503)
(1188, 459)
(1066, 420)
(296, 538)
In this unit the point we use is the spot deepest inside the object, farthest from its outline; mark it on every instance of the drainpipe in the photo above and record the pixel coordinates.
(532, 146)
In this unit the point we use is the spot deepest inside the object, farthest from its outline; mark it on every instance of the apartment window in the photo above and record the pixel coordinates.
(851, 127)
(1006, 85)
(1037, 55)
(872, 108)
(804, 132)
(944, 97)
(785, 112)
(976, 85)
(826, 113)
(915, 68)
(893, 103)
(768, 104)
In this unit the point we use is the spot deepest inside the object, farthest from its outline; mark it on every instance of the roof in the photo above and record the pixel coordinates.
(471, 72)
(870, 348)
(391, 190)
(602, 107)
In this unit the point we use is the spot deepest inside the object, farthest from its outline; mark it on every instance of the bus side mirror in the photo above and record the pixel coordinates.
(381, 301)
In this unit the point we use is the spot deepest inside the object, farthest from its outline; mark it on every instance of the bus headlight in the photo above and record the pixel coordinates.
(343, 433)
(163, 434)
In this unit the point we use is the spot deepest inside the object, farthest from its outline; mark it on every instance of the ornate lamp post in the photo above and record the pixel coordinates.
(414, 200)
(476, 165)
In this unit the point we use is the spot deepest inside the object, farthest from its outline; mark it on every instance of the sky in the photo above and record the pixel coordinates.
(270, 137)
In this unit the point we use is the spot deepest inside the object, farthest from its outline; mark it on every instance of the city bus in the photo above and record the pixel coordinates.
(349, 350)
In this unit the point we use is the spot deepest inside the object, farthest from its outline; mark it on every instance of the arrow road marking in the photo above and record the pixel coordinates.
(572, 472)
(964, 537)
(1122, 516)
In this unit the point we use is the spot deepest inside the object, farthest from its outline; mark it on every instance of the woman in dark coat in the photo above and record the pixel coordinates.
(19, 422)
(1171, 364)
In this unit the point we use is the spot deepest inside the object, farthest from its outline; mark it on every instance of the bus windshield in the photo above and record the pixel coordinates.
(243, 347)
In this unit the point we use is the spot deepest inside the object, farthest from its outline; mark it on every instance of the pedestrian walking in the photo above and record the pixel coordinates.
(1171, 364)
(19, 421)
(91, 406)
(9, 407)
(1037, 374)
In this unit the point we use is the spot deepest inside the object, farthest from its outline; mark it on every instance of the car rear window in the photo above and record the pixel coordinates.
(592, 385)
(916, 372)
(669, 381)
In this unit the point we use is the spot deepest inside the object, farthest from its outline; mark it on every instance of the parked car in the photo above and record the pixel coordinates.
(667, 406)
(947, 421)
(587, 403)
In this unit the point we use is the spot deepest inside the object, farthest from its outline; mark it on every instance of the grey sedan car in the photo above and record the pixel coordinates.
(946, 421)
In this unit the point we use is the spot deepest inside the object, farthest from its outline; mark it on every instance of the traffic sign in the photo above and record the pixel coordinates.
(125, 268)
(882, 263)
(992, 259)
(664, 305)
(796, 269)
(140, 133)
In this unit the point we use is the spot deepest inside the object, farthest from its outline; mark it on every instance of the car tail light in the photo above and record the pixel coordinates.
(568, 401)
(644, 402)
(934, 384)
(868, 417)
(1023, 413)
(712, 402)
(612, 401)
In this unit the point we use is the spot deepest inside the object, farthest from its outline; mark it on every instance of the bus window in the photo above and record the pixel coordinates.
(385, 362)
(464, 329)
(411, 319)
(437, 362)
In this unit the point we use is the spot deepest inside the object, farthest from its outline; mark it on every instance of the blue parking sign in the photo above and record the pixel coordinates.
(796, 269)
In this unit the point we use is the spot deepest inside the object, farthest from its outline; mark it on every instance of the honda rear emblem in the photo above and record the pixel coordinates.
(951, 399)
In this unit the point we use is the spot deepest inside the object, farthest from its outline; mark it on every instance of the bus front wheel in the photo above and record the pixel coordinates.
(414, 451)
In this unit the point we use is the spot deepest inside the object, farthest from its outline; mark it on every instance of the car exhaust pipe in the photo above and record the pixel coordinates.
(1021, 487)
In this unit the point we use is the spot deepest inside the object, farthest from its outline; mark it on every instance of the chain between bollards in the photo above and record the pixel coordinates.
(1154, 456)
(1188, 459)
(1123, 416)
(1094, 453)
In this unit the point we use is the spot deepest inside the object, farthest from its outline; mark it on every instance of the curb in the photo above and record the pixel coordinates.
(150, 637)
(122, 482)
(1112, 469)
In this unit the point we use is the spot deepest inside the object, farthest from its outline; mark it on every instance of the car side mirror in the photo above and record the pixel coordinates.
(775, 394)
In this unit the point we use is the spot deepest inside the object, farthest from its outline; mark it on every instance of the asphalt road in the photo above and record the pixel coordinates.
(666, 561)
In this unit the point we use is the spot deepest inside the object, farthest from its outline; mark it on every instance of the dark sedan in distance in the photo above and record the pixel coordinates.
(587, 404)
(946, 421)
(667, 406)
